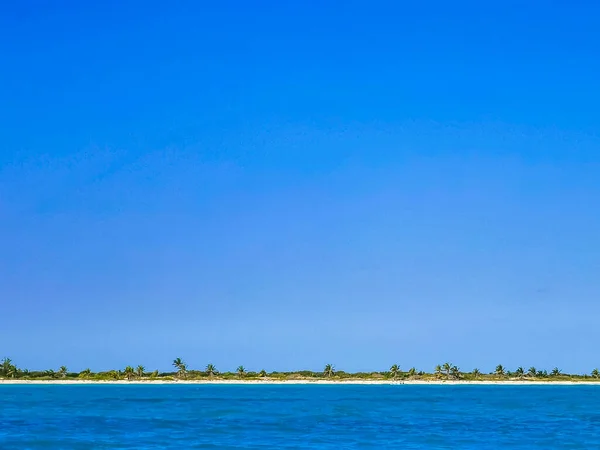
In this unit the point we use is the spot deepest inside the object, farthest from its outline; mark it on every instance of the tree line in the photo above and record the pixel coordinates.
(445, 371)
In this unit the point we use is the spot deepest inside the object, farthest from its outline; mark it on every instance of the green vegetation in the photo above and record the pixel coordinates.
(8, 369)
(394, 371)
(211, 370)
(500, 370)
(129, 372)
(441, 372)
(181, 367)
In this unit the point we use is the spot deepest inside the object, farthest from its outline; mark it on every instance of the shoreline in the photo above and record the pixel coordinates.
(304, 382)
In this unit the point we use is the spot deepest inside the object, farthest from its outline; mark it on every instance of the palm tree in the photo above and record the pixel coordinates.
(211, 370)
(129, 372)
(412, 372)
(476, 373)
(140, 371)
(154, 374)
(8, 369)
(520, 372)
(329, 370)
(180, 366)
(5, 367)
(438, 370)
(455, 372)
(50, 373)
(12, 371)
(262, 373)
(85, 373)
(532, 372)
(556, 372)
(241, 371)
(500, 370)
(595, 373)
(394, 370)
(63, 371)
(446, 368)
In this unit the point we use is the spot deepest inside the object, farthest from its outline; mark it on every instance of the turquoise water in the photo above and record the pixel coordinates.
(299, 417)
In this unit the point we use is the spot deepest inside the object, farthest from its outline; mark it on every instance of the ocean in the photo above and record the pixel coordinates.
(298, 417)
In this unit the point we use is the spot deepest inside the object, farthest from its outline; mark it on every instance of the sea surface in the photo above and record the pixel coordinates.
(298, 417)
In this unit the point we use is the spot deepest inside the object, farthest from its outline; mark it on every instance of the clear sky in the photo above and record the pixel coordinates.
(288, 184)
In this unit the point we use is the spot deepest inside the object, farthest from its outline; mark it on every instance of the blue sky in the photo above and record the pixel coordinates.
(284, 186)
